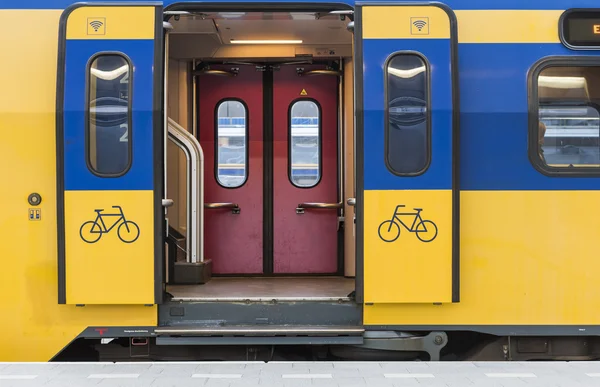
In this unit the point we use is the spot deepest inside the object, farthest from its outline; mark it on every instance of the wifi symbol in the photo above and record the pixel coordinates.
(96, 24)
(419, 24)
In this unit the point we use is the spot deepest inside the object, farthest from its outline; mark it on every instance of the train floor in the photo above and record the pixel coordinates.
(265, 289)
(292, 374)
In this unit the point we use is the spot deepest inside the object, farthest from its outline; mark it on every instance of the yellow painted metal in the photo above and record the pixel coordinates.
(92, 22)
(114, 267)
(408, 269)
(33, 326)
(508, 26)
(405, 22)
(527, 257)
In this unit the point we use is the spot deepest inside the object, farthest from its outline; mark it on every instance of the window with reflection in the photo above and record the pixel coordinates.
(109, 119)
(407, 132)
(568, 130)
(232, 143)
(305, 157)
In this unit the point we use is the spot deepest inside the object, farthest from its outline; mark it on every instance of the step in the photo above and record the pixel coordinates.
(259, 335)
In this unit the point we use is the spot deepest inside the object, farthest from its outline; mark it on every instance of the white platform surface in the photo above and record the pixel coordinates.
(296, 374)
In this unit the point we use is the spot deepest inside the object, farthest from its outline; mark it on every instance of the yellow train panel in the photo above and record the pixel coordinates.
(507, 276)
(33, 326)
(109, 257)
(403, 265)
(111, 23)
(508, 26)
(382, 22)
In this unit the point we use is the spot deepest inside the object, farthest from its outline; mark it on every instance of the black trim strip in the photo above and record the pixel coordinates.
(60, 153)
(359, 173)
(533, 109)
(257, 7)
(455, 153)
(498, 330)
(268, 233)
(158, 140)
(129, 113)
(320, 140)
(246, 140)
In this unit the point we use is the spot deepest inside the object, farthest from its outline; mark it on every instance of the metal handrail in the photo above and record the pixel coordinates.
(221, 205)
(194, 190)
(320, 205)
(323, 206)
(212, 206)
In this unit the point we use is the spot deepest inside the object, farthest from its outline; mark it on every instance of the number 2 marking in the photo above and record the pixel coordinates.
(124, 137)
(125, 79)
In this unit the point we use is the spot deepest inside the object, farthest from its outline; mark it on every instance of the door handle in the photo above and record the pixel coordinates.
(351, 202)
(167, 202)
(324, 206)
(235, 209)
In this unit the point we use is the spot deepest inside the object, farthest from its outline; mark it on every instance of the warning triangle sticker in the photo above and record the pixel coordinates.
(303, 92)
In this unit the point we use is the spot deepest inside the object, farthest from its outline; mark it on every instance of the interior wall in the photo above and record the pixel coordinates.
(178, 106)
(349, 191)
(190, 46)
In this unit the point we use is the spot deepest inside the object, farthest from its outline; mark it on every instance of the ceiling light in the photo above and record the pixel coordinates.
(239, 41)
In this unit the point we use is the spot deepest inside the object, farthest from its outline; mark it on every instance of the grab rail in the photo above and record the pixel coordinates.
(194, 190)
(302, 206)
(235, 208)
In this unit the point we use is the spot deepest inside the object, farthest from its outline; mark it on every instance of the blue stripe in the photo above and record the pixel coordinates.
(439, 173)
(494, 122)
(77, 175)
(454, 4)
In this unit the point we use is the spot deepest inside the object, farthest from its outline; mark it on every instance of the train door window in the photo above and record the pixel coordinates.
(305, 139)
(407, 139)
(567, 111)
(232, 143)
(109, 115)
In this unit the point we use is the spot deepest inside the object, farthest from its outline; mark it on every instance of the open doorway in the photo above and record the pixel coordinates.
(268, 96)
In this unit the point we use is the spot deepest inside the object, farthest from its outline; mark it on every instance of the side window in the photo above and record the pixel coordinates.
(232, 143)
(109, 115)
(567, 128)
(305, 141)
(407, 142)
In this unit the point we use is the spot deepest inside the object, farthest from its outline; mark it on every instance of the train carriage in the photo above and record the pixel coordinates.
(299, 179)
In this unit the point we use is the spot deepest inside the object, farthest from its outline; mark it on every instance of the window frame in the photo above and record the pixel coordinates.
(533, 115)
(386, 114)
(246, 138)
(88, 100)
(320, 141)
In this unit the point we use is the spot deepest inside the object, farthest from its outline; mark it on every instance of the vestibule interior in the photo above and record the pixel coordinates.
(268, 96)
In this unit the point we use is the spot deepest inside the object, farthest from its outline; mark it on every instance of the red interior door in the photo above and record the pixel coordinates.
(230, 119)
(305, 125)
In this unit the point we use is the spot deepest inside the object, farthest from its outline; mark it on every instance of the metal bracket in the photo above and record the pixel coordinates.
(433, 343)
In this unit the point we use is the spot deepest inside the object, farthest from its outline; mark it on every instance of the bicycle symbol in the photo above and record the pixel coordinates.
(93, 229)
(426, 230)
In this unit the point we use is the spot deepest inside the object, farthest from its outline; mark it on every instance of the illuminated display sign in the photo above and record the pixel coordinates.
(581, 29)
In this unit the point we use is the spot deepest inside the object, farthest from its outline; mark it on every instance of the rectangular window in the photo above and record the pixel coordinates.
(580, 29)
(407, 140)
(109, 115)
(567, 112)
(232, 143)
(305, 149)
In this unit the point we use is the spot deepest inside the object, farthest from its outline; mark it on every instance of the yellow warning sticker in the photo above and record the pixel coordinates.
(303, 92)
